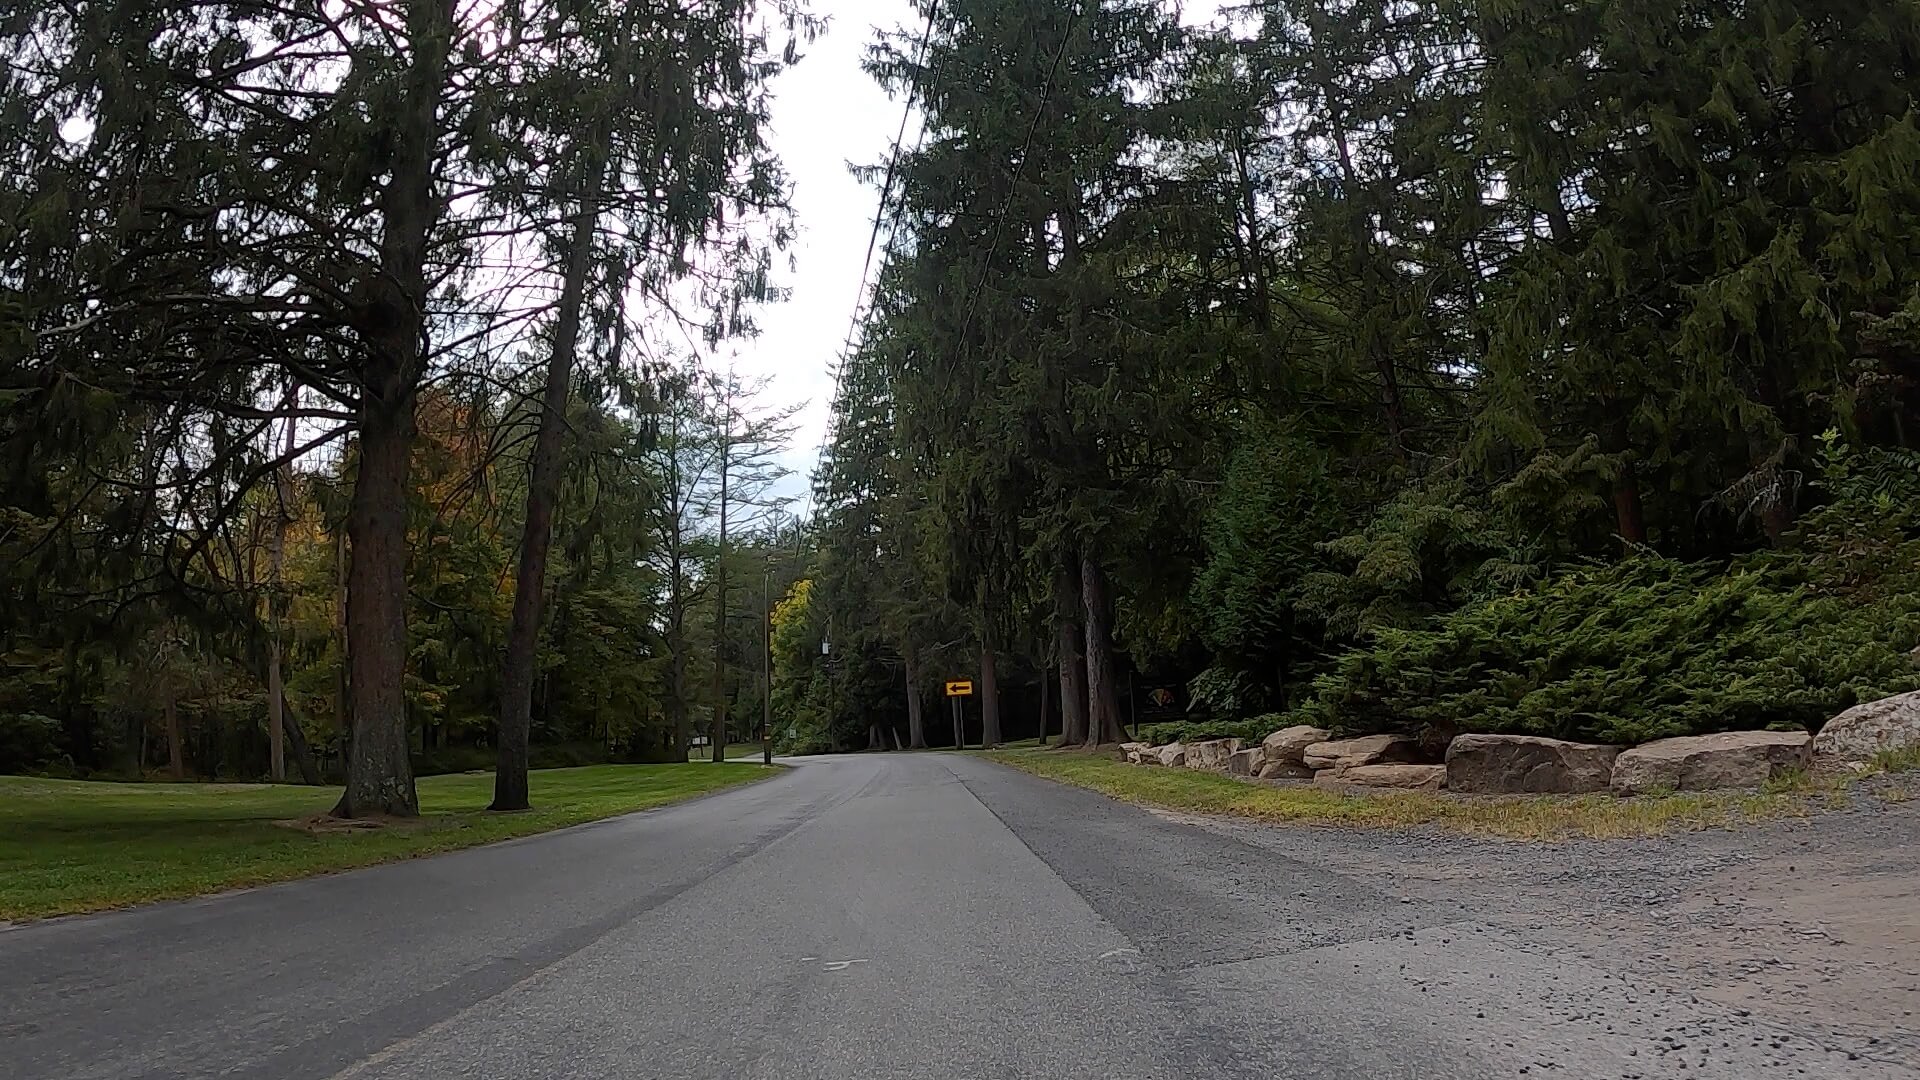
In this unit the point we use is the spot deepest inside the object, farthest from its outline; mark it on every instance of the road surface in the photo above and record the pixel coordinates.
(883, 917)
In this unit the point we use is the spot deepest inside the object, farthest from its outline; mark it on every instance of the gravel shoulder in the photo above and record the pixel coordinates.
(1811, 926)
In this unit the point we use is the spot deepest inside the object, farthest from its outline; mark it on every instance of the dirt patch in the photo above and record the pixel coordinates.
(1809, 926)
(325, 824)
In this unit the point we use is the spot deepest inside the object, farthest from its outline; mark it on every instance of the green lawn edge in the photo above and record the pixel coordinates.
(71, 847)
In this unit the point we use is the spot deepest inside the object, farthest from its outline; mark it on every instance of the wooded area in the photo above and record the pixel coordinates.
(351, 394)
(1428, 367)
(1432, 367)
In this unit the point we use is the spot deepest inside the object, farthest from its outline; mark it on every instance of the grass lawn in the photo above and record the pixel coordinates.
(1518, 817)
(740, 751)
(73, 845)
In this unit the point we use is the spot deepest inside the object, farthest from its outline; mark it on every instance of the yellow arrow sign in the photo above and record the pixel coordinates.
(960, 688)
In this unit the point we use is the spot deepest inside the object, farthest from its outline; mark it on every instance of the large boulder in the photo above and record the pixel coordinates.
(1211, 754)
(1405, 777)
(1366, 750)
(1520, 764)
(1871, 728)
(1130, 752)
(1701, 762)
(1246, 762)
(1282, 770)
(1173, 754)
(1289, 744)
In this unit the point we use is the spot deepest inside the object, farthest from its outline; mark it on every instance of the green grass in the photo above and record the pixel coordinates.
(1896, 761)
(71, 845)
(740, 751)
(1516, 817)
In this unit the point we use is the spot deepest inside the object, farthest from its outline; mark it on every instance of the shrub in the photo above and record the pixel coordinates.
(1192, 731)
(28, 742)
(1653, 647)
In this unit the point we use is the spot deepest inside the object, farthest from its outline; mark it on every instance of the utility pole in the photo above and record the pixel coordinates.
(718, 729)
(766, 661)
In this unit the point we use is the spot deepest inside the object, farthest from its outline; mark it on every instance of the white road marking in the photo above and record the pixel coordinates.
(842, 965)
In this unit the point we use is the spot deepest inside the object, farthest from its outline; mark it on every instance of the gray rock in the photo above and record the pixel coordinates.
(1245, 762)
(1366, 750)
(1173, 754)
(1702, 762)
(1406, 777)
(1871, 728)
(1281, 770)
(1519, 764)
(1211, 754)
(1286, 746)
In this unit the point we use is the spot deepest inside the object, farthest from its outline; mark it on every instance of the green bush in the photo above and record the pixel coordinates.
(1193, 731)
(28, 742)
(1652, 647)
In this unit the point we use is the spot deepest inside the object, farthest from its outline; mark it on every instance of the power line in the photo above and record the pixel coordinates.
(873, 238)
(1000, 216)
(886, 185)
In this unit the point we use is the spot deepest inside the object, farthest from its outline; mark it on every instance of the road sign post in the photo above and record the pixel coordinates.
(957, 689)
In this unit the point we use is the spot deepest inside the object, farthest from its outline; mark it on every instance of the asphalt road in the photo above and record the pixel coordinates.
(887, 917)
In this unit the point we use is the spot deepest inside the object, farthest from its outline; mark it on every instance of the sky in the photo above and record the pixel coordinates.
(826, 114)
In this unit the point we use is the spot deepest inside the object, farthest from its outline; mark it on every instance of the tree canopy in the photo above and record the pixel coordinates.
(1403, 366)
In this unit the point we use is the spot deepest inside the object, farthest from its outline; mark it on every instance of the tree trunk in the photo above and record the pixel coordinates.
(296, 745)
(392, 322)
(1046, 687)
(1103, 698)
(989, 700)
(543, 492)
(916, 716)
(1071, 642)
(677, 689)
(76, 724)
(678, 718)
(302, 751)
(276, 717)
(176, 756)
(276, 563)
(1626, 507)
(379, 771)
(342, 697)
